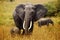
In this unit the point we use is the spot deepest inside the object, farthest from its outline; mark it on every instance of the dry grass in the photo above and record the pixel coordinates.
(39, 33)
(43, 33)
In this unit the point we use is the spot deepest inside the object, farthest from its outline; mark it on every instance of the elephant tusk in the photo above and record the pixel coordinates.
(30, 25)
(23, 25)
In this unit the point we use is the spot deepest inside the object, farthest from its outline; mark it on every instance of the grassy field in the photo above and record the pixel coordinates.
(39, 33)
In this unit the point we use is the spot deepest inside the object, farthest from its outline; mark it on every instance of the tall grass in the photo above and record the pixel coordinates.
(39, 33)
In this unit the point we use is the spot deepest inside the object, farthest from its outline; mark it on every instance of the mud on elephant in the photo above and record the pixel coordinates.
(26, 14)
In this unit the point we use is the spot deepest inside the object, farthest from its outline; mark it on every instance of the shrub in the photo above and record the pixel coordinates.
(51, 8)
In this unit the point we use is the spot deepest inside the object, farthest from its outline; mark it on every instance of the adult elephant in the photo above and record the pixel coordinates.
(25, 15)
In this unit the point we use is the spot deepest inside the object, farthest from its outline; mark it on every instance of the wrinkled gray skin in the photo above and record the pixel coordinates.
(28, 13)
(45, 21)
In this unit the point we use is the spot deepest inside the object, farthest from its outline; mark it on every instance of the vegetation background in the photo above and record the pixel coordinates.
(40, 33)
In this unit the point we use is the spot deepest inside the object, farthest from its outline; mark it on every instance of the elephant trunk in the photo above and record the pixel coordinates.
(27, 24)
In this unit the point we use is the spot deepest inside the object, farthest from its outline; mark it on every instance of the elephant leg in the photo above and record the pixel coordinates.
(19, 24)
(19, 32)
(52, 23)
(39, 24)
(47, 24)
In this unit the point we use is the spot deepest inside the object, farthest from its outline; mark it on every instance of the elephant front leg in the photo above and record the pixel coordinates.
(19, 32)
(39, 24)
(47, 24)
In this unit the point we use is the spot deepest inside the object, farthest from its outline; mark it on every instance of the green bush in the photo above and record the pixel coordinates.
(51, 8)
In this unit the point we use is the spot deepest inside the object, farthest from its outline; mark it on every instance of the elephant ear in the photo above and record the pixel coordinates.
(20, 11)
(40, 11)
(19, 8)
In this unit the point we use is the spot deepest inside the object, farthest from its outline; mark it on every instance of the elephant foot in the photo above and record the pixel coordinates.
(47, 24)
(30, 31)
(19, 32)
(26, 33)
(39, 26)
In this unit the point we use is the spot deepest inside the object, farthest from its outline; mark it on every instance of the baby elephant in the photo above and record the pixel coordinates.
(45, 21)
(15, 30)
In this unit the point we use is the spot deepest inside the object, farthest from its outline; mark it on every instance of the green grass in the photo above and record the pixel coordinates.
(6, 11)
